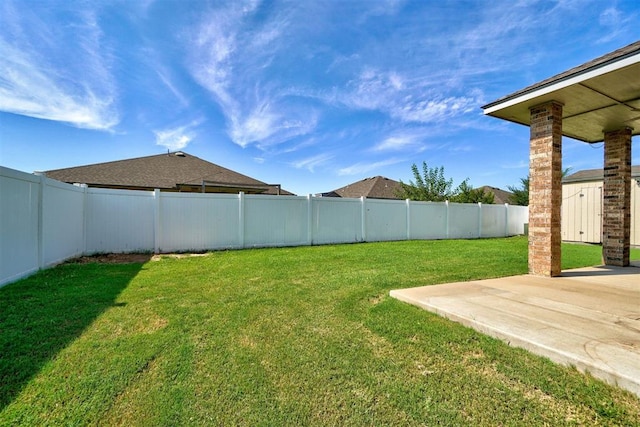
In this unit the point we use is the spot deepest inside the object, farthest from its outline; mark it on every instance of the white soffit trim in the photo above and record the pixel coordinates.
(570, 81)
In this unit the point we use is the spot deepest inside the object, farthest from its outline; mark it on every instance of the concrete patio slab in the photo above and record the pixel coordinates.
(588, 318)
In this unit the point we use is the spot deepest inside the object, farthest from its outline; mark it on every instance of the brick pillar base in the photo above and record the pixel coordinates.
(545, 189)
(616, 211)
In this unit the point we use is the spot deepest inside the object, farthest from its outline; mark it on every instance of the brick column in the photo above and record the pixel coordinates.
(545, 189)
(616, 208)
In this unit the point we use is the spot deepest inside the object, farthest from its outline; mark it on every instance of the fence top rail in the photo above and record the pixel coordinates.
(62, 185)
(383, 201)
(337, 200)
(274, 197)
(176, 195)
(119, 192)
(19, 175)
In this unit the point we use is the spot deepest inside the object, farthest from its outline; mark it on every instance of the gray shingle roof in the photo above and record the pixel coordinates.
(169, 172)
(500, 197)
(595, 175)
(377, 187)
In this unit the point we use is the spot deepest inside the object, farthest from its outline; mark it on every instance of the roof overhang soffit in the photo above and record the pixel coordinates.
(594, 101)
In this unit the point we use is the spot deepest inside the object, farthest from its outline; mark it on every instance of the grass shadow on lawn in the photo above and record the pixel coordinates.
(44, 313)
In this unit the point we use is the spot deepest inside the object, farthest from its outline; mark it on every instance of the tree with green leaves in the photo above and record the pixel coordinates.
(520, 195)
(432, 186)
(467, 194)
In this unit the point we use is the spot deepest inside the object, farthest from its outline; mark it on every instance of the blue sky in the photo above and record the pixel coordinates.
(312, 95)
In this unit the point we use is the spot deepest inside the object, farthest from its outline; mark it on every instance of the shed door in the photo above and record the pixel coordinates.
(589, 214)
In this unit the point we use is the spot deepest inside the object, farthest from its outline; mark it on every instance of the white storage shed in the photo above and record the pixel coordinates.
(582, 206)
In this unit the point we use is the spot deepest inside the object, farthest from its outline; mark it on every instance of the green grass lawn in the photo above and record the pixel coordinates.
(291, 336)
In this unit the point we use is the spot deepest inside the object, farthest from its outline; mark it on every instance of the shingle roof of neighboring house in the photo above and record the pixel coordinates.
(595, 175)
(177, 171)
(377, 187)
(500, 197)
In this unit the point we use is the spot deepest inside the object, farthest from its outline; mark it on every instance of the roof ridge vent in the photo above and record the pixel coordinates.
(179, 154)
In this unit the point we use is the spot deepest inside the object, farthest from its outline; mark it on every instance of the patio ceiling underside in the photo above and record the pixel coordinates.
(593, 102)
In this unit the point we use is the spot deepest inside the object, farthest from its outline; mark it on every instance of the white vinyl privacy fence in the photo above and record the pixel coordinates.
(44, 222)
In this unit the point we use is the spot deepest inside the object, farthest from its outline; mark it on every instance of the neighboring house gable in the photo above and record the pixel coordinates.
(500, 197)
(177, 171)
(377, 187)
(595, 175)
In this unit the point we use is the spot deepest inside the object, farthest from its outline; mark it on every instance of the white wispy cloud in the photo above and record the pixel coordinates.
(177, 138)
(233, 48)
(403, 141)
(385, 7)
(513, 45)
(164, 77)
(310, 163)
(518, 165)
(394, 143)
(406, 98)
(268, 125)
(463, 148)
(69, 81)
(229, 56)
(503, 41)
(615, 23)
(610, 17)
(365, 167)
(448, 78)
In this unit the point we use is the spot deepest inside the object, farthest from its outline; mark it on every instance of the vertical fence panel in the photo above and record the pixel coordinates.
(197, 222)
(336, 220)
(275, 220)
(19, 207)
(494, 219)
(309, 219)
(428, 220)
(62, 221)
(386, 220)
(463, 221)
(241, 219)
(518, 216)
(363, 217)
(120, 221)
(157, 231)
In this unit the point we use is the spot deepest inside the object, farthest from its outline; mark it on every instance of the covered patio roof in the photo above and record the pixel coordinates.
(598, 96)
